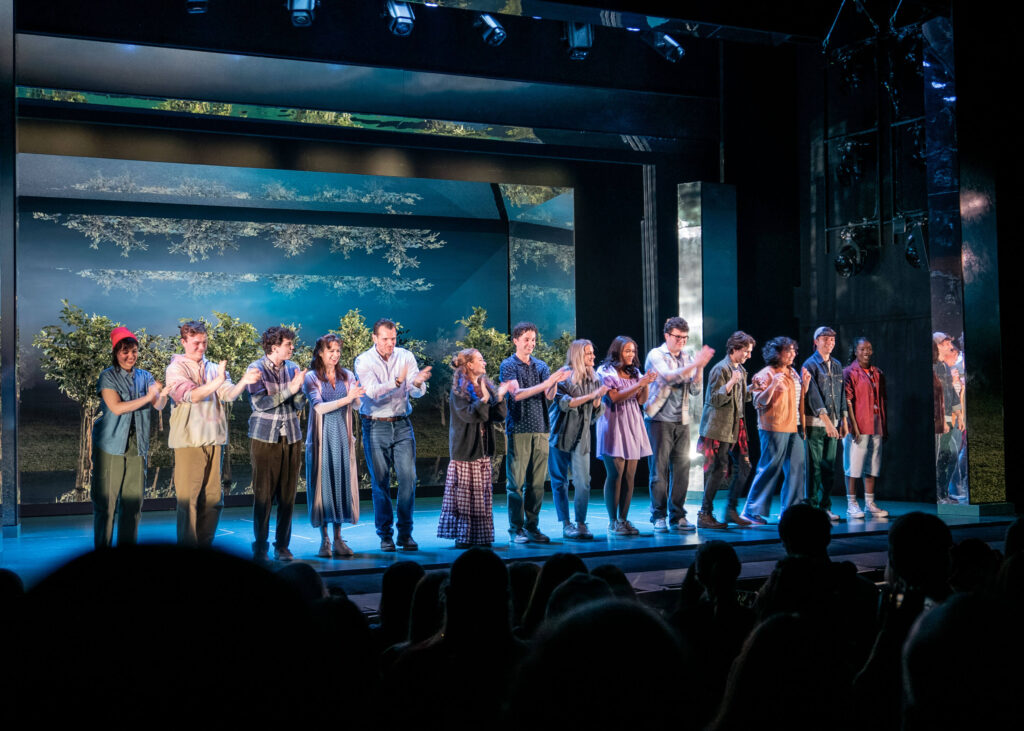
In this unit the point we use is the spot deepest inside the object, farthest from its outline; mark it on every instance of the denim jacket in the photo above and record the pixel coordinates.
(110, 432)
(825, 392)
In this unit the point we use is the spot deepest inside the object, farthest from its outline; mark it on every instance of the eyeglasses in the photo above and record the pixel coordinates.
(674, 336)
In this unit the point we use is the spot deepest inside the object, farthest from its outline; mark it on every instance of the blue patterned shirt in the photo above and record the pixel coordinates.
(275, 408)
(529, 416)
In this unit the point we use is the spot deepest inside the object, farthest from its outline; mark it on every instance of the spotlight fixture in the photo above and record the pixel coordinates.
(302, 12)
(851, 257)
(490, 29)
(400, 18)
(916, 245)
(666, 46)
(195, 7)
(579, 37)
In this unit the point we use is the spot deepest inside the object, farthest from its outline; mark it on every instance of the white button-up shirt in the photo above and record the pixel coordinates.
(383, 398)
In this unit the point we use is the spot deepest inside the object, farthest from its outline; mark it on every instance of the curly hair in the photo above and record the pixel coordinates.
(275, 336)
(738, 341)
(614, 357)
(772, 351)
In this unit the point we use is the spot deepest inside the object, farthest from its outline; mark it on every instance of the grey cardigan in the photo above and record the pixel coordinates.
(570, 427)
(723, 409)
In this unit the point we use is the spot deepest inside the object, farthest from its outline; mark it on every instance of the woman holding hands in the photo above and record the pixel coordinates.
(474, 404)
(332, 487)
(621, 436)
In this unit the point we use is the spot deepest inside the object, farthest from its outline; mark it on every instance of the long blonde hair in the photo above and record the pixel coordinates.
(461, 381)
(574, 358)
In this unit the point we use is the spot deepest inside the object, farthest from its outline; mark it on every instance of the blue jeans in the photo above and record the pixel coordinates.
(391, 445)
(559, 463)
(782, 453)
(669, 467)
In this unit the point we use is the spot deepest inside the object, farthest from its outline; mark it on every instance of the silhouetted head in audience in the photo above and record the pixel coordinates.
(961, 665)
(784, 677)
(305, 579)
(577, 590)
(11, 586)
(477, 604)
(427, 615)
(919, 545)
(1014, 538)
(555, 570)
(616, 579)
(805, 531)
(974, 565)
(619, 645)
(522, 577)
(133, 617)
(396, 588)
(716, 568)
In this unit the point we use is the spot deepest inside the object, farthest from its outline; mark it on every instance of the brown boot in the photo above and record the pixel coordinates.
(731, 516)
(707, 522)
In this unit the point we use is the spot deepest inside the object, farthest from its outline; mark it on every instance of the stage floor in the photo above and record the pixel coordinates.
(652, 561)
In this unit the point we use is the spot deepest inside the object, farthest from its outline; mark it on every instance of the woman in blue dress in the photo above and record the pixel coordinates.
(332, 488)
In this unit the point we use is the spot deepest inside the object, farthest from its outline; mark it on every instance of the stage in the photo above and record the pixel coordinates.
(653, 562)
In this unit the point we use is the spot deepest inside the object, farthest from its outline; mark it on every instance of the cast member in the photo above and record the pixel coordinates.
(275, 440)
(390, 376)
(475, 405)
(668, 423)
(825, 418)
(120, 440)
(526, 432)
(862, 446)
(197, 431)
(576, 408)
(723, 432)
(332, 486)
(779, 401)
(621, 436)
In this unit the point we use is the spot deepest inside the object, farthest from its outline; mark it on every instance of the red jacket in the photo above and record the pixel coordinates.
(865, 390)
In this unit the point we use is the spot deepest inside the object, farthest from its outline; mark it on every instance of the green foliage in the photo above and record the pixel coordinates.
(493, 345)
(73, 359)
(554, 354)
(232, 340)
(355, 336)
(303, 354)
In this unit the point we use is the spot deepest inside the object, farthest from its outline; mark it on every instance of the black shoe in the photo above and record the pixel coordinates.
(386, 544)
(408, 544)
(283, 554)
(536, 536)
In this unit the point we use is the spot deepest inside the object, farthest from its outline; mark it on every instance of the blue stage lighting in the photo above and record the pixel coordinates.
(400, 18)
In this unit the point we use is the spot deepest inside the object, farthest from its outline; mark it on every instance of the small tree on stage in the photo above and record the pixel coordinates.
(493, 345)
(355, 336)
(74, 359)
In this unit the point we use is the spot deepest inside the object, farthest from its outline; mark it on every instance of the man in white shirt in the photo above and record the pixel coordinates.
(390, 377)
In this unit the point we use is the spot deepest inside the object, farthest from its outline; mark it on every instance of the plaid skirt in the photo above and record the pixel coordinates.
(466, 512)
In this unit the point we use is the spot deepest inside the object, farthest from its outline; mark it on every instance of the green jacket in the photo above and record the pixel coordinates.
(723, 409)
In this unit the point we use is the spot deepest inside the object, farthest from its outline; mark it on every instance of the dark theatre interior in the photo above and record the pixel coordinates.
(770, 167)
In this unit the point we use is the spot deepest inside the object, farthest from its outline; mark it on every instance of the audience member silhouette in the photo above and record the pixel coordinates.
(522, 577)
(461, 677)
(784, 678)
(576, 591)
(623, 647)
(555, 570)
(396, 589)
(973, 565)
(616, 579)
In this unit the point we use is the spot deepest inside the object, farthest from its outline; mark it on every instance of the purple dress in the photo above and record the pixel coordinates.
(620, 430)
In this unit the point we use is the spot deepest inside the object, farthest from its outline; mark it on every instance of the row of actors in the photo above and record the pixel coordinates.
(548, 419)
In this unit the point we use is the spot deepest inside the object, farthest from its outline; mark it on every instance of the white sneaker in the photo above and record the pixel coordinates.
(683, 525)
(832, 516)
(876, 512)
(853, 510)
(660, 526)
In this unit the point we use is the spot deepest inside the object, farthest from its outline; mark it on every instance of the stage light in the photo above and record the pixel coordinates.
(490, 30)
(400, 18)
(303, 12)
(579, 37)
(851, 257)
(665, 45)
(195, 7)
